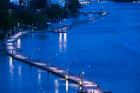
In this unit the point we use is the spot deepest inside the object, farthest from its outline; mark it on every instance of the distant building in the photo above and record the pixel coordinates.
(20, 2)
(14, 2)
(60, 2)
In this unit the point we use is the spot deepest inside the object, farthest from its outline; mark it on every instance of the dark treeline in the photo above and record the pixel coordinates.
(37, 13)
(7, 21)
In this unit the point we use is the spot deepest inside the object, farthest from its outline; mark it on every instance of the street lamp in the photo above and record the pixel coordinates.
(81, 78)
(86, 68)
(82, 73)
(50, 57)
(68, 65)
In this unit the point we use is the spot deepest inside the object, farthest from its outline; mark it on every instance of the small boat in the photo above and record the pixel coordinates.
(59, 29)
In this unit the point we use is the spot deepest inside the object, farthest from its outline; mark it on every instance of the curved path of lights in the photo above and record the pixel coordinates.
(11, 47)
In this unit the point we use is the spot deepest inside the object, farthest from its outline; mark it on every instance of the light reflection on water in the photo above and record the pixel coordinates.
(39, 76)
(65, 84)
(20, 71)
(56, 86)
(62, 42)
(11, 66)
(111, 48)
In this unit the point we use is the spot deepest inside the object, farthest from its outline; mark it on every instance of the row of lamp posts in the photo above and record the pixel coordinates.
(82, 72)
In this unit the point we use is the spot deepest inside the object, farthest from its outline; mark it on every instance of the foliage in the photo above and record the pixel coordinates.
(28, 16)
(6, 20)
(73, 6)
(39, 20)
(38, 4)
(55, 12)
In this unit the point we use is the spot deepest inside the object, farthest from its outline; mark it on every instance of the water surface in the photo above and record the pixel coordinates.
(110, 45)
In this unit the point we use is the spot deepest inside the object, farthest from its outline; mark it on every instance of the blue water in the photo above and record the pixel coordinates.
(110, 45)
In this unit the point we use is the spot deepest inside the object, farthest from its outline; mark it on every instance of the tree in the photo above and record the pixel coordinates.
(6, 20)
(27, 17)
(73, 6)
(38, 4)
(55, 12)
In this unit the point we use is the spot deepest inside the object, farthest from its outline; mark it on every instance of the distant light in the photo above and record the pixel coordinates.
(83, 73)
(66, 77)
(84, 2)
(136, 2)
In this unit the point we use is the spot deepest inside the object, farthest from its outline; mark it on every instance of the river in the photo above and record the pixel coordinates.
(110, 45)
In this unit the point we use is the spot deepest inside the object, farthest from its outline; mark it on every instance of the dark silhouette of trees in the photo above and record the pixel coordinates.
(73, 6)
(6, 19)
(55, 12)
(37, 14)
(28, 17)
(38, 4)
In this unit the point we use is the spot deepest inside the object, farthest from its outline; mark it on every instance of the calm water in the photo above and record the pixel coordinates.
(110, 45)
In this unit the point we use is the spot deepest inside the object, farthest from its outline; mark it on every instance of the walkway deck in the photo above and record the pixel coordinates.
(12, 51)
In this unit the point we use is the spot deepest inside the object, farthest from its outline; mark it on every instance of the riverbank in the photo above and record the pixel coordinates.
(60, 26)
(110, 45)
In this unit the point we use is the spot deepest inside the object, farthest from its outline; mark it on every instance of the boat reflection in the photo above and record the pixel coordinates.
(62, 42)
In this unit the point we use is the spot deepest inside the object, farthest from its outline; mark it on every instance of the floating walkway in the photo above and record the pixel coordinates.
(89, 86)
